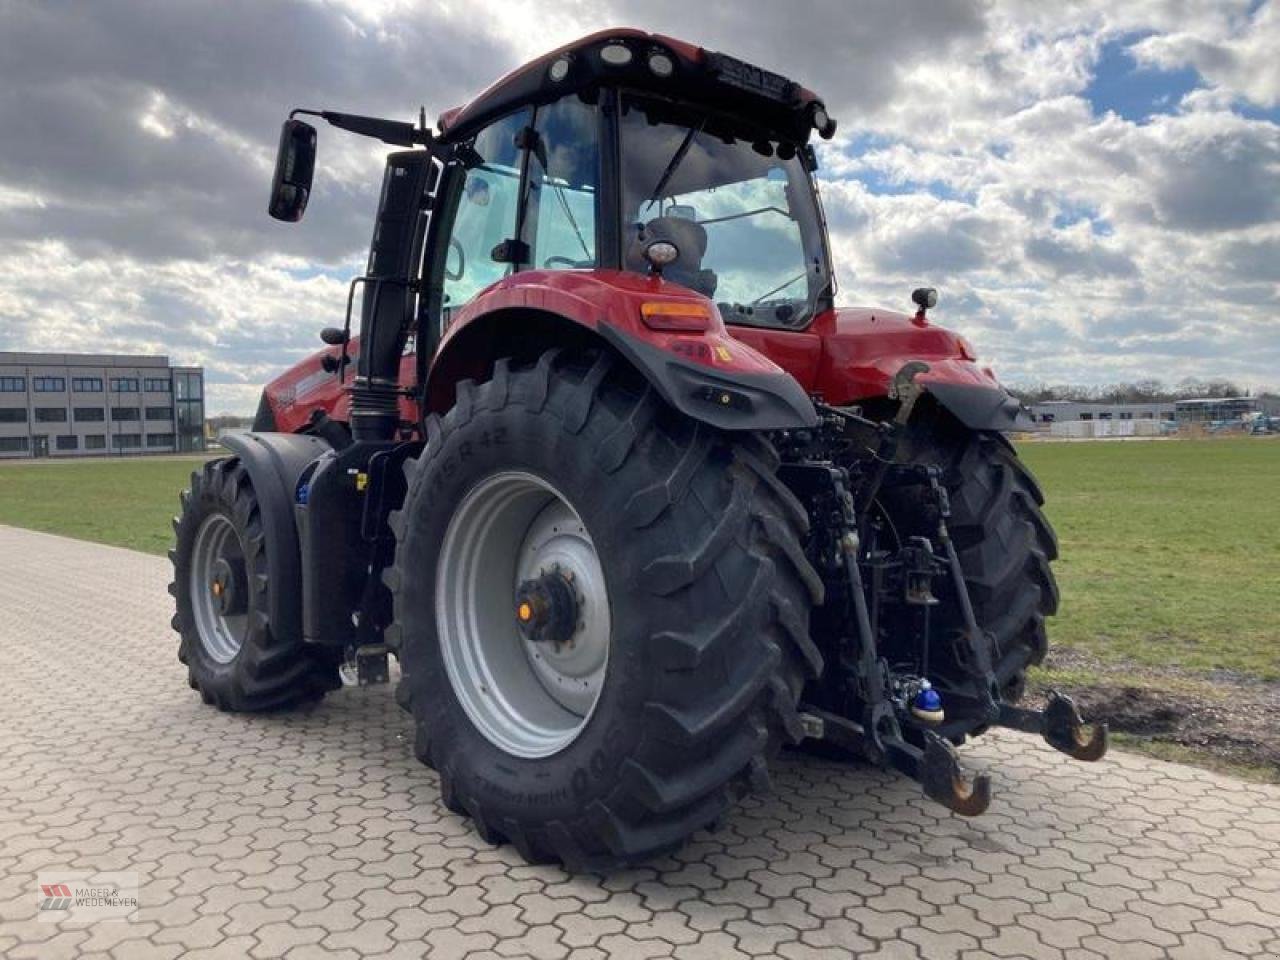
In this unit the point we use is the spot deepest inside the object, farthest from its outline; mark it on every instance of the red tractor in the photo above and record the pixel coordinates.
(631, 501)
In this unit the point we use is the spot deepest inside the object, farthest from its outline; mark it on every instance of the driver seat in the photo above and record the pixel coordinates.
(690, 238)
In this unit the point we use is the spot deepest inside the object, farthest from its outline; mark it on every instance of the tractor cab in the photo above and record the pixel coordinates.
(639, 153)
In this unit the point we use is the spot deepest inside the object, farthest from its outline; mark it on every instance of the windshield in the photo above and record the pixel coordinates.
(741, 212)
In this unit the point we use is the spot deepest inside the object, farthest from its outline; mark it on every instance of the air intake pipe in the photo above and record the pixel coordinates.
(389, 294)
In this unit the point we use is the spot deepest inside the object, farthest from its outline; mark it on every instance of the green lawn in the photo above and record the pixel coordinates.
(1170, 550)
(125, 502)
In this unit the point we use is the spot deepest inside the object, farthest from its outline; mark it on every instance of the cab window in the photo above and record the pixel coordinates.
(486, 212)
(564, 162)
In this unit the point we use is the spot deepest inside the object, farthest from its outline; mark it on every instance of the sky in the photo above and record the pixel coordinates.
(1093, 187)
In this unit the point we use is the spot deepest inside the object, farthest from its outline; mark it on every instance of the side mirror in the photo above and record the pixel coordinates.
(295, 164)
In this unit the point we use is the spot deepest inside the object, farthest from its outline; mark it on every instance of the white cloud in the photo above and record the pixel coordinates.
(1069, 244)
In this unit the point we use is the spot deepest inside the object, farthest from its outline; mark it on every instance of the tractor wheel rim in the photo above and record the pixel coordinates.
(530, 699)
(221, 634)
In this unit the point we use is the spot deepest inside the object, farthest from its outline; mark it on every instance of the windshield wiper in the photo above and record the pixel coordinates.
(564, 205)
(779, 288)
(676, 159)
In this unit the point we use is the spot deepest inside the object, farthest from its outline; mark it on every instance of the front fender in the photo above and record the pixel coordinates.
(274, 462)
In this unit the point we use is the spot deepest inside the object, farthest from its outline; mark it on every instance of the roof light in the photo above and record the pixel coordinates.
(616, 54)
(822, 122)
(661, 65)
(559, 69)
(676, 315)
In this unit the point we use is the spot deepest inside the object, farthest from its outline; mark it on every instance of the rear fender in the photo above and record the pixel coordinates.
(706, 374)
(863, 349)
(274, 462)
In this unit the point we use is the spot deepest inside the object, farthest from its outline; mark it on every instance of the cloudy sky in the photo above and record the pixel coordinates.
(1093, 186)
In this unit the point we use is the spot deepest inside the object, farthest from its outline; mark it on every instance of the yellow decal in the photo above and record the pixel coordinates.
(723, 353)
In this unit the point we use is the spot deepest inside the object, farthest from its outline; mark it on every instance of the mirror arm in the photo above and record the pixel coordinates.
(395, 132)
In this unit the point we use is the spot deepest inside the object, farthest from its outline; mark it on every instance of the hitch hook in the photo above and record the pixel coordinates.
(938, 770)
(1064, 730)
(944, 780)
(1060, 725)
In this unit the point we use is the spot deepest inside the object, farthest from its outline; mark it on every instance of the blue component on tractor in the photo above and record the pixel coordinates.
(304, 491)
(928, 699)
(926, 706)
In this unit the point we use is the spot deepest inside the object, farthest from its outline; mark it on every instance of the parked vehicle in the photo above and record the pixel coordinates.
(631, 500)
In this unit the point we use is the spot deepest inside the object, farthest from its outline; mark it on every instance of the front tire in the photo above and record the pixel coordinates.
(706, 597)
(222, 588)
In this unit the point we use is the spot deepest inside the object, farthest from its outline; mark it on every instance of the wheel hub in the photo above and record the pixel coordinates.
(547, 609)
(228, 586)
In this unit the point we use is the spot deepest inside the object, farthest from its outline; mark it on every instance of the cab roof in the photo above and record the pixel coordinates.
(651, 62)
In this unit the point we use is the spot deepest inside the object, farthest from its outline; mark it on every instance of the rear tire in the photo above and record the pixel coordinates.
(233, 657)
(1005, 543)
(708, 598)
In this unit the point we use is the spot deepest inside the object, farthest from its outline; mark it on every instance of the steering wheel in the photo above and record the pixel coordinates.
(565, 261)
(455, 245)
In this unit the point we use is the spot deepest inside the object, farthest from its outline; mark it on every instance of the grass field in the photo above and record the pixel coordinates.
(1170, 550)
(128, 503)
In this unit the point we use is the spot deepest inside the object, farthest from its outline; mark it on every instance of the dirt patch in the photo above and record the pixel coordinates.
(1225, 719)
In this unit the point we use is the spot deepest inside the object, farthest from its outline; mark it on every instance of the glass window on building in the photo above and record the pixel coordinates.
(48, 384)
(124, 384)
(67, 441)
(95, 441)
(189, 394)
(13, 414)
(188, 386)
(51, 415)
(157, 385)
(86, 384)
(124, 413)
(160, 440)
(13, 384)
(12, 444)
(89, 414)
(126, 441)
(159, 413)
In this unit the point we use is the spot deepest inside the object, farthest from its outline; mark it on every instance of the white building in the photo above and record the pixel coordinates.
(66, 404)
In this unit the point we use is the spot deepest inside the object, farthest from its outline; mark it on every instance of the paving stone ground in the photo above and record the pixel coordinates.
(317, 833)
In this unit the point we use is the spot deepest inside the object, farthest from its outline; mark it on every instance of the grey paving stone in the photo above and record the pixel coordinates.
(317, 833)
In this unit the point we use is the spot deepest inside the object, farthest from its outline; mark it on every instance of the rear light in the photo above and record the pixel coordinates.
(677, 315)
